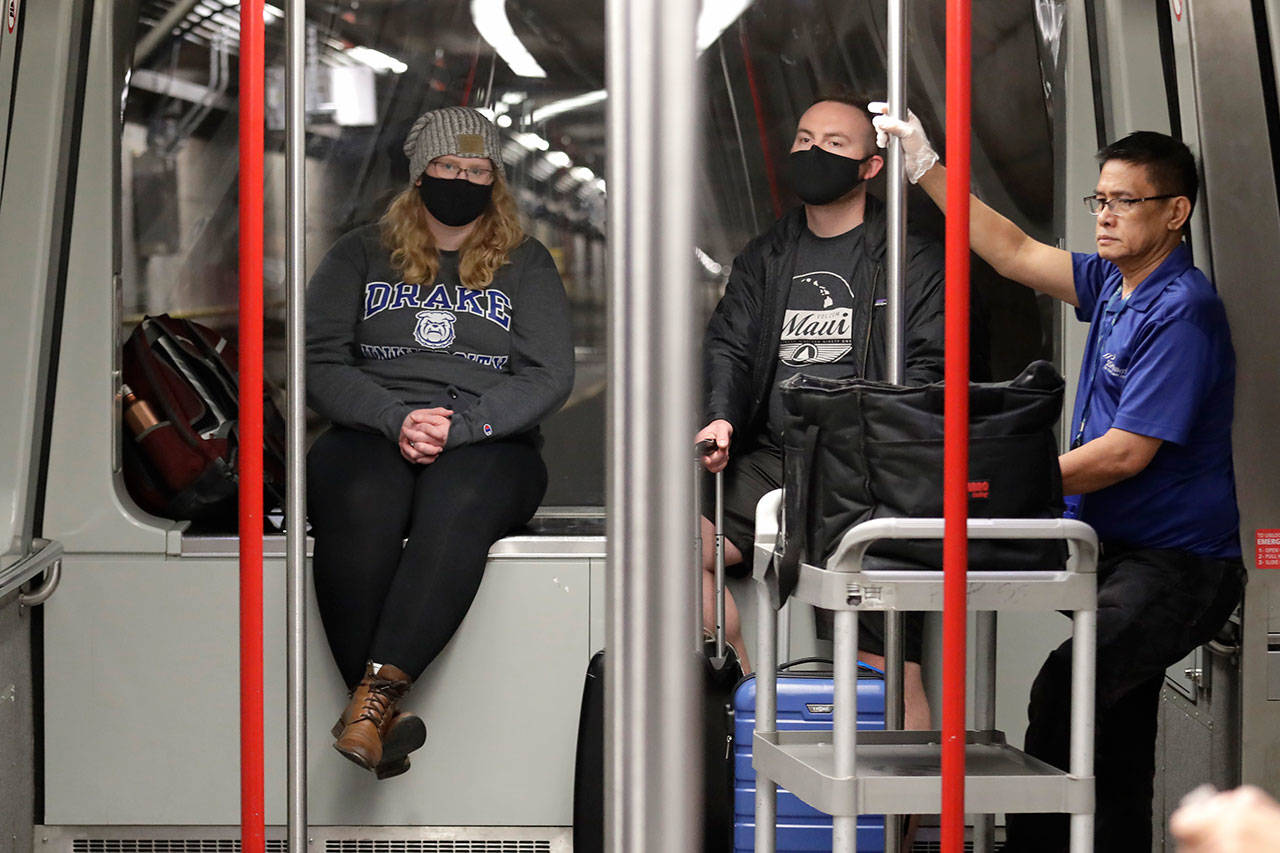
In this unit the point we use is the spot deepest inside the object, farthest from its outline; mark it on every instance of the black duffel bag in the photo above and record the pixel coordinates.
(857, 450)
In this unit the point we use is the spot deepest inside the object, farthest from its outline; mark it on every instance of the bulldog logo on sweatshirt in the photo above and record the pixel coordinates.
(434, 329)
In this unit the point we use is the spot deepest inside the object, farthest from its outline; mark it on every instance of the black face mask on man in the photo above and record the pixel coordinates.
(454, 201)
(820, 177)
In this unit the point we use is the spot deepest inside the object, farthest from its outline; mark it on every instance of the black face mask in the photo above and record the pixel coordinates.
(820, 177)
(455, 201)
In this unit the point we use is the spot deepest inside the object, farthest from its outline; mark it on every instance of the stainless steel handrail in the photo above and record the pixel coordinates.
(47, 553)
(895, 252)
(858, 538)
(42, 593)
(296, 419)
(651, 704)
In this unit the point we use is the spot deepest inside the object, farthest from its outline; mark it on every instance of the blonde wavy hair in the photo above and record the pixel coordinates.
(413, 248)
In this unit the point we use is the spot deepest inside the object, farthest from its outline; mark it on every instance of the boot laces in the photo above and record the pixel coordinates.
(382, 696)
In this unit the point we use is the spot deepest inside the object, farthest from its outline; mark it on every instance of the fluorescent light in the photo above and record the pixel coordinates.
(490, 17)
(513, 98)
(715, 18)
(559, 159)
(582, 173)
(555, 108)
(486, 112)
(271, 14)
(503, 120)
(376, 59)
(531, 141)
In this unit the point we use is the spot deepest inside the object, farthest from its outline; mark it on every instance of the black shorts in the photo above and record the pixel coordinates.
(749, 477)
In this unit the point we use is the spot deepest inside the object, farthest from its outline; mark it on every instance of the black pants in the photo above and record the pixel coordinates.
(397, 604)
(1154, 607)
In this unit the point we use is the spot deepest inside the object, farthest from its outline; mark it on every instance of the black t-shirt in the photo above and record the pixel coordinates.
(818, 323)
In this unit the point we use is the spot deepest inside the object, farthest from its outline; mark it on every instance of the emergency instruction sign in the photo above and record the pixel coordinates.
(11, 14)
(1267, 554)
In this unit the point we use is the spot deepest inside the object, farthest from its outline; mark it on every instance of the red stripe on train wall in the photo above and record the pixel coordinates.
(956, 440)
(252, 65)
(1267, 549)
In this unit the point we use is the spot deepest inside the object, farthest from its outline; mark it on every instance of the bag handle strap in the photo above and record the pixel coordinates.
(796, 544)
(821, 660)
(802, 661)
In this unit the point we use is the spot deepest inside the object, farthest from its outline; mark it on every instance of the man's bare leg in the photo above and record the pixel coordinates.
(915, 704)
(732, 622)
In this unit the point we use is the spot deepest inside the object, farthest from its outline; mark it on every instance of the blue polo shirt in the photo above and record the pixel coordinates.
(1160, 364)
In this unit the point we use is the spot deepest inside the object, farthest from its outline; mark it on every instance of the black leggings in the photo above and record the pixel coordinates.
(399, 605)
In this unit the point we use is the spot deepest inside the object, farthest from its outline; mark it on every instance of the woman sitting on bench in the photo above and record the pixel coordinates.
(437, 341)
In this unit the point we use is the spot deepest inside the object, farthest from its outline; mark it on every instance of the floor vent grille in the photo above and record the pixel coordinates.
(363, 845)
(167, 845)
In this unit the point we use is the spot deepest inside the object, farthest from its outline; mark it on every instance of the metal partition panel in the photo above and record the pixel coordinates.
(86, 501)
(10, 36)
(1244, 220)
(140, 709)
(43, 133)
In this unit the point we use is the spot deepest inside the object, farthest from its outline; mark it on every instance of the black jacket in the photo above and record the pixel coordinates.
(740, 349)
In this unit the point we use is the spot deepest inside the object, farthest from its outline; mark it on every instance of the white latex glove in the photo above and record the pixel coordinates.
(918, 156)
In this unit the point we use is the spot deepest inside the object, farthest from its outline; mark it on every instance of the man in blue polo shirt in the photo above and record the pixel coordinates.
(1150, 459)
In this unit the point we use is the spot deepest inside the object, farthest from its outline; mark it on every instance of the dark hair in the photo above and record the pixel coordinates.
(855, 98)
(1169, 162)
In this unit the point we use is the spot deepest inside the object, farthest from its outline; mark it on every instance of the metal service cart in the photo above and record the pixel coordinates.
(845, 773)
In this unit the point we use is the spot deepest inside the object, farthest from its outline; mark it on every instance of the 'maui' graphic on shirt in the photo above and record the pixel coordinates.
(819, 320)
(434, 329)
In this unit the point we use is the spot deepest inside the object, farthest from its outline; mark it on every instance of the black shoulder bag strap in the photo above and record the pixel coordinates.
(795, 543)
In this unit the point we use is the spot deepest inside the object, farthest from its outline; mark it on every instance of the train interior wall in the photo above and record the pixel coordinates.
(136, 737)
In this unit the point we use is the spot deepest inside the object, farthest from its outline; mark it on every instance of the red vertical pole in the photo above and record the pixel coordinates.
(956, 442)
(252, 64)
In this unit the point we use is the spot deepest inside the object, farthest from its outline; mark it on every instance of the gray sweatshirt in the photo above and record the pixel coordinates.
(378, 348)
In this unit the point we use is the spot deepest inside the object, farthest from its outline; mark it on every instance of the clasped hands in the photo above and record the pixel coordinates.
(424, 434)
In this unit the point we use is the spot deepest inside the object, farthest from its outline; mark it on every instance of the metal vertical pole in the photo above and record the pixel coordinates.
(766, 835)
(252, 100)
(652, 801)
(896, 357)
(984, 708)
(844, 723)
(296, 417)
(1083, 692)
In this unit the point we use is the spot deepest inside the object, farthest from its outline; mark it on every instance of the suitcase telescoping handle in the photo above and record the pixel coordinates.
(705, 448)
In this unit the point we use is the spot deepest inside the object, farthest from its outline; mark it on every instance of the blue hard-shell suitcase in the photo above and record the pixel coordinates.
(804, 703)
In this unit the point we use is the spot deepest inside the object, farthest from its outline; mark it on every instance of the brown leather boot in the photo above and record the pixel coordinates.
(406, 733)
(373, 733)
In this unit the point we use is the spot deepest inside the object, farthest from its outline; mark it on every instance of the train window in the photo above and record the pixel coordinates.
(372, 68)
(767, 65)
(537, 67)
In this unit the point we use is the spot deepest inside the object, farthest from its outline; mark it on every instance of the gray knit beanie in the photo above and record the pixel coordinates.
(460, 131)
